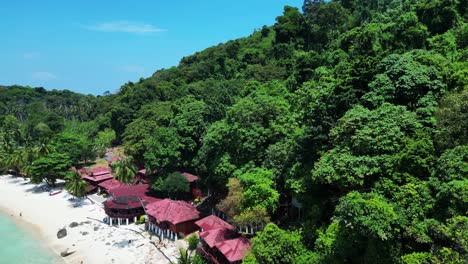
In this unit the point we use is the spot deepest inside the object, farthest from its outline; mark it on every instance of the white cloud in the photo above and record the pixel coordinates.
(133, 68)
(125, 26)
(43, 76)
(30, 55)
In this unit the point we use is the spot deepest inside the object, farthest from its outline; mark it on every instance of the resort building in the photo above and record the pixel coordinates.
(171, 219)
(233, 250)
(193, 181)
(108, 185)
(220, 242)
(142, 177)
(126, 203)
(95, 176)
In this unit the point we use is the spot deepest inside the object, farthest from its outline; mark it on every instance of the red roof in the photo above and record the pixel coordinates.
(142, 171)
(130, 190)
(213, 236)
(212, 222)
(129, 196)
(234, 249)
(110, 184)
(99, 171)
(174, 212)
(97, 178)
(190, 177)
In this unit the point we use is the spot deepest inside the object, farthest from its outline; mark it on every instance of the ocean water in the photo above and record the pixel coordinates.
(18, 246)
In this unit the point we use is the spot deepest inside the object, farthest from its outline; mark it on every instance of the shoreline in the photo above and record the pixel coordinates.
(34, 231)
(91, 241)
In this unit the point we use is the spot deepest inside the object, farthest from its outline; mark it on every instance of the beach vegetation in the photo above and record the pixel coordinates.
(50, 168)
(192, 242)
(125, 170)
(344, 123)
(75, 184)
(175, 185)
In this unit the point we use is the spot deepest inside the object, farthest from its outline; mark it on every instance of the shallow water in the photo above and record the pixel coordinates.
(18, 246)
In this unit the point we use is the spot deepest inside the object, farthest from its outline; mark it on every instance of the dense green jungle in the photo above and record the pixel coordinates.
(336, 135)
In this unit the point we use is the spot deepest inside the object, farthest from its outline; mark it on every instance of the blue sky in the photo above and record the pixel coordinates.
(93, 46)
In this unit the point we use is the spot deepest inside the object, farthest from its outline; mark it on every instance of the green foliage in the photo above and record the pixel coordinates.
(452, 124)
(141, 220)
(368, 214)
(125, 170)
(369, 144)
(175, 184)
(274, 245)
(416, 258)
(50, 168)
(184, 257)
(192, 242)
(453, 164)
(103, 141)
(76, 145)
(75, 184)
(357, 109)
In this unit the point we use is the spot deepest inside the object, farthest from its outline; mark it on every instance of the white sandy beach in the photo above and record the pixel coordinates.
(93, 241)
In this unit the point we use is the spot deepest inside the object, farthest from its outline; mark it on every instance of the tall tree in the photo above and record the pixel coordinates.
(125, 170)
(75, 184)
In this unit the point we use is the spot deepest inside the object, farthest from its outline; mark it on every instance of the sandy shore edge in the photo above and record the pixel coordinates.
(92, 240)
(33, 230)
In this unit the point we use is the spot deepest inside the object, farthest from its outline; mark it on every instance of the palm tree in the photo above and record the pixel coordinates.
(75, 184)
(125, 170)
(184, 257)
(44, 148)
(15, 160)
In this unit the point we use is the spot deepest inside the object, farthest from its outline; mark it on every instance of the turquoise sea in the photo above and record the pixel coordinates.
(18, 246)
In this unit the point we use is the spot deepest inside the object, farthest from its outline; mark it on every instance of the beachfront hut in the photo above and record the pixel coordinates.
(220, 242)
(193, 183)
(108, 185)
(142, 177)
(233, 250)
(95, 176)
(126, 203)
(212, 222)
(171, 219)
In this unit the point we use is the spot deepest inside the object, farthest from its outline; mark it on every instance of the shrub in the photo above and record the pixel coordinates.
(193, 242)
(141, 220)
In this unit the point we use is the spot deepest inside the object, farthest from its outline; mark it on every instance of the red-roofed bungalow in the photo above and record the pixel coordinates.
(95, 176)
(142, 177)
(108, 185)
(233, 250)
(192, 179)
(212, 222)
(220, 242)
(126, 203)
(168, 218)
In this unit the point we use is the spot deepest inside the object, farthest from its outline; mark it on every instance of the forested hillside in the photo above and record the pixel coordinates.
(354, 111)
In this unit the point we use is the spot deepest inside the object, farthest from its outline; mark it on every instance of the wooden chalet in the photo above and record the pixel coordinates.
(220, 242)
(110, 184)
(126, 203)
(142, 177)
(171, 219)
(95, 176)
(193, 181)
